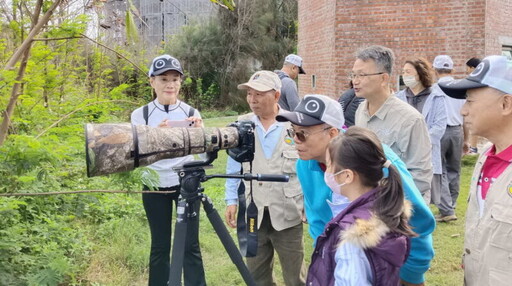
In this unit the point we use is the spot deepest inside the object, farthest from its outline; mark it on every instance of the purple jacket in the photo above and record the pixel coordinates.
(386, 251)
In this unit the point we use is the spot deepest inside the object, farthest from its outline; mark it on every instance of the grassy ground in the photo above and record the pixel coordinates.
(122, 259)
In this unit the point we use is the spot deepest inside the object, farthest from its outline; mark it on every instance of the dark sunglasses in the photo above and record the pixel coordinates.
(301, 135)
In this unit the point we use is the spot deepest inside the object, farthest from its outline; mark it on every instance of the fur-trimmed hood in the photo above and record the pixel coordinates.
(368, 233)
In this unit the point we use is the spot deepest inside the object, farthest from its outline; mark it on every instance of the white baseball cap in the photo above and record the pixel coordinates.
(295, 60)
(493, 71)
(443, 62)
(262, 81)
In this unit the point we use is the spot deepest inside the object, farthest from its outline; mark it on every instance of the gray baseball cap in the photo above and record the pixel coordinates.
(164, 63)
(315, 109)
(295, 60)
(493, 71)
(443, 62)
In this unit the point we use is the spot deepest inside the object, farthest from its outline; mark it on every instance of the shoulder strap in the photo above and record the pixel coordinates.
(145, 111)
(247, 222)
(191, 111)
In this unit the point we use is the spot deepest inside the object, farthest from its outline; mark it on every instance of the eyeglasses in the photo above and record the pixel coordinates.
(301, 135)
(353, 76)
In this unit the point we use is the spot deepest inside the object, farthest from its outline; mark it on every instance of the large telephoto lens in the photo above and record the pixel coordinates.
(112, 148)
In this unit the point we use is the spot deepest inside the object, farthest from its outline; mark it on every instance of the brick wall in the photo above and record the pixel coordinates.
(498, 32)
(331, 31)
(316, 46)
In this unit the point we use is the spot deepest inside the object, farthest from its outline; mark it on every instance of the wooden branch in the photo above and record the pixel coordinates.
(69, 114)
(57, 39)
(84, 191)
(117, 53)
(28, 40)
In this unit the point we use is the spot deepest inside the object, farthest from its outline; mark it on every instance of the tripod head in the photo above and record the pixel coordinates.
(191, 175)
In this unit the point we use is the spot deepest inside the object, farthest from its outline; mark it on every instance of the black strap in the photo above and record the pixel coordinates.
(191, 112)
(247, 231)
(135, 152)
(145, 111)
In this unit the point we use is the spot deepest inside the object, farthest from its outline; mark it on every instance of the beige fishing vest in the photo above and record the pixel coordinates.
(283, 200)
(487, 250)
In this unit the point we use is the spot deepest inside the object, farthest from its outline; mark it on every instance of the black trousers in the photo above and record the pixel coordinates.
(159, 209)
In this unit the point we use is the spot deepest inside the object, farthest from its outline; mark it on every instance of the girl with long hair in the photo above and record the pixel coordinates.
(367, 241)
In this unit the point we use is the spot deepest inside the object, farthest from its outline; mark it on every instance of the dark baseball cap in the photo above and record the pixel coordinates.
(315, 109)
(164, 63)
(493, 71)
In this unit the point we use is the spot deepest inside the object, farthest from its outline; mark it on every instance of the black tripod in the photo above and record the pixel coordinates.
(191, 175)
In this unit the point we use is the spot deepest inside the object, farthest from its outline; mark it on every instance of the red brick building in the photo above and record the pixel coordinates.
(331, 31)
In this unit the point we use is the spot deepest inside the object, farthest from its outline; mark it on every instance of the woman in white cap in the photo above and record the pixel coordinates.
(165, 77)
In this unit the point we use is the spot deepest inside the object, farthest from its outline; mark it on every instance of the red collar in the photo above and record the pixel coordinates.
(505, 155)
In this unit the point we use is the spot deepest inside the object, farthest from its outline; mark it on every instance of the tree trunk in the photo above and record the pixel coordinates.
(23, 51)
(15, 93)
(33, 32)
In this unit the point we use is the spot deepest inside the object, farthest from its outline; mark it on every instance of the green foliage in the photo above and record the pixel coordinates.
(27, 164)
(132, 34)
(213, 113)
(228, 4)
(223, 52)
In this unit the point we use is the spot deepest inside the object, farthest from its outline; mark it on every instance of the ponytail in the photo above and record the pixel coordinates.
(389, 203)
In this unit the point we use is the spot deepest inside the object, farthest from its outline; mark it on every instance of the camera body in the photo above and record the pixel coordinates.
(244, 152)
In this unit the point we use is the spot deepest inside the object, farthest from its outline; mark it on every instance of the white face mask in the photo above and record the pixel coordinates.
(330, 181)
(410, 81)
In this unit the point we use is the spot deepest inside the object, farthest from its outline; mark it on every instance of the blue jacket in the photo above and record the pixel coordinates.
(318, 213)
(435, 115)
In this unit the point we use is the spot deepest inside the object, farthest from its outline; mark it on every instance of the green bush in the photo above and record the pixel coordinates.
(211, 113)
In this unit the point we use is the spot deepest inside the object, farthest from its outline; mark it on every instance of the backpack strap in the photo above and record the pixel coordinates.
(191, 111)
(145, 111)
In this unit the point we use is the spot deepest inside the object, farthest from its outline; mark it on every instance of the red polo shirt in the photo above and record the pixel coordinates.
(493, 167)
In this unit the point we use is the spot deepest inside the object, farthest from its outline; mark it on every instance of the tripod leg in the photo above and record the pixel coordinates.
(226, 240)
(178, 246)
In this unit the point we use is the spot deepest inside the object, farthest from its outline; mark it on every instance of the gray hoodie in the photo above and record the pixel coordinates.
(289, 96)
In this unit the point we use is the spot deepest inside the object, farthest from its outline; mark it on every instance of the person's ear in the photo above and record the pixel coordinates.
(506, 104)
(333, 132)
(347, 176)
(277, 95)
(152, 81)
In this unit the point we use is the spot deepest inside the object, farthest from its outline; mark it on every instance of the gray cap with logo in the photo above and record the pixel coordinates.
(164, 63)
(315, 109)
(493, 71)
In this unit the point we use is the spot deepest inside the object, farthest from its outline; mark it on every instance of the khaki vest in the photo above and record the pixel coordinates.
(487, 253)
(284, 201)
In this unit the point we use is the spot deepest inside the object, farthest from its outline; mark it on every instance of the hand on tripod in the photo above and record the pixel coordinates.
(230, 215)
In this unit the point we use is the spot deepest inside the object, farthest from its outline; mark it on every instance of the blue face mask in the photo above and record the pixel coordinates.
(331, 182)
